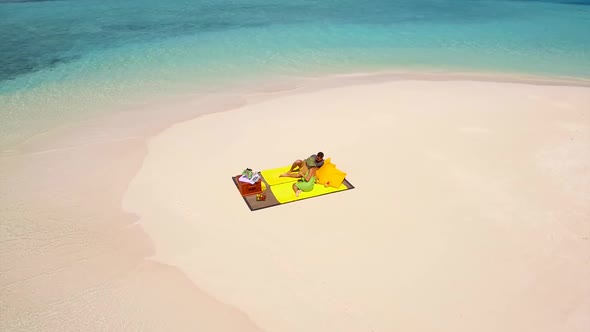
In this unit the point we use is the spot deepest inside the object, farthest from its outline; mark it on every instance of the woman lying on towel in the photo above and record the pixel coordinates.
(306, 172)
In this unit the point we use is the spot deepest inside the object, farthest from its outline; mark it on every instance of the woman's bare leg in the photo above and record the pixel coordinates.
(296, 190)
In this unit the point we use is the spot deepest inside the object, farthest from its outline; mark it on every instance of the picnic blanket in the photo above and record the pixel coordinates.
(279, 189)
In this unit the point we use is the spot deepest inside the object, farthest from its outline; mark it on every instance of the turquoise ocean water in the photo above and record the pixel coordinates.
(62, 58)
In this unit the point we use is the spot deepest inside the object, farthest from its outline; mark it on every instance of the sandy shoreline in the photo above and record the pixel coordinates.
(148, 114)
(471, 213)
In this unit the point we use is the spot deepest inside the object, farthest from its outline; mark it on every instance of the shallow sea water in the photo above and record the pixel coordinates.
(64, 60)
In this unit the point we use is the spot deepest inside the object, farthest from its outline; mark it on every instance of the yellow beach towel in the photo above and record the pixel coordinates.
(271, 176)
(284, 192)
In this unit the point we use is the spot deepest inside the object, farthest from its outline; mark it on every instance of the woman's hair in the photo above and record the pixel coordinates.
(320, 154)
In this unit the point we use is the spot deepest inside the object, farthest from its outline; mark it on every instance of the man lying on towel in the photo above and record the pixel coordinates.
(305, 170)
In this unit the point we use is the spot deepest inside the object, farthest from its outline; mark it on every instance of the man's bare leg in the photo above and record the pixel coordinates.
(302, 171)
(296, 164)
(290, 175)
(296, 174)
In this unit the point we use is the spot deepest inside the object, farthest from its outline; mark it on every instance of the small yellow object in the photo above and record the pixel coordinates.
(263, 186)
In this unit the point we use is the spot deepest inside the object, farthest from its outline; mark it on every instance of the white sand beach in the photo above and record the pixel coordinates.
(471, 212)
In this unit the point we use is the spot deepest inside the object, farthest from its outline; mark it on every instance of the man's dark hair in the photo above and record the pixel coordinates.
(321, 154)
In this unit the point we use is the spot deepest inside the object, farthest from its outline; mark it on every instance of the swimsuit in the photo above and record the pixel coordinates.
(305, 185)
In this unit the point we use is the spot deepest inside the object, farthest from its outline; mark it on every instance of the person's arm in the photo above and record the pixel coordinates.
(310, 174)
